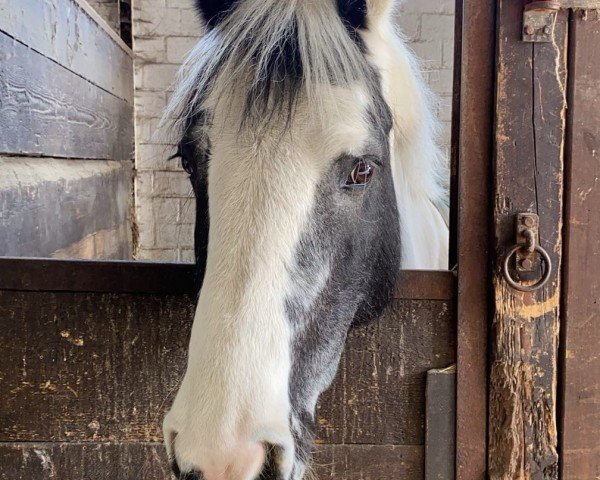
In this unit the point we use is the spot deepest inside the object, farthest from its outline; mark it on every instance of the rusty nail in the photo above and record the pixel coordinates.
(547, 30)
(526, 264)
(529, 30)
(528, 221)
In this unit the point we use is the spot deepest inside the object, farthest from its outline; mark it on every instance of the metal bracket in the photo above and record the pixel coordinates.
(539, 18)
(527, 233)
(525, 252)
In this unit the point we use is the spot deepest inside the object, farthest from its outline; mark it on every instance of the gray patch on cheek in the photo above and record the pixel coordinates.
(344, 270)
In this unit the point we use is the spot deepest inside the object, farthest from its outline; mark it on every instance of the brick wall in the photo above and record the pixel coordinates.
(163, 32)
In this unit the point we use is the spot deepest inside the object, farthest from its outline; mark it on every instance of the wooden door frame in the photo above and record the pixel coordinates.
(514, 146)
(472, 135)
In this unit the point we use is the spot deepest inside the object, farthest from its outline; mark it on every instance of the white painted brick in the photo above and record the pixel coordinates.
(183, 4)
(445, 108)
(149, 104)
(410, 25)
(155, 157)
(428, 6)
(171, 235)
(441, 81)
(429, 53)
(158, 76)
(445, 134)
(157, 254)
(144, 211)
(187, 210)
(144, 184)
(448, 54)
(139, 7)
(179, 47)
(165, 210)
(187, 255)
(150, 131)
(151, 50)
(154, 21)
(189, 24)
(146, 236)
(439, 26)
(172, 184)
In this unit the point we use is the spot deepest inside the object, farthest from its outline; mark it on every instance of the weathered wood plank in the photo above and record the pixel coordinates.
(474, 119)
(104, 367)
(581, 318)
(47, 110)
(36, 274)
(63, 31)
(53, 207)
(440, 424)
(132, 461)
(378, 396)
(530, 113)
(580, 4)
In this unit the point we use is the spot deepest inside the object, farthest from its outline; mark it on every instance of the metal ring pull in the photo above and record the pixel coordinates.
(527, 288)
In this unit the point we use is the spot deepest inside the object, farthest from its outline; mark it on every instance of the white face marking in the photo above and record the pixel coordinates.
(235, 393)
(262, 188)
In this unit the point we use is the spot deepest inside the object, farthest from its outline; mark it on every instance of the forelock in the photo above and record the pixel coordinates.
(272, 54)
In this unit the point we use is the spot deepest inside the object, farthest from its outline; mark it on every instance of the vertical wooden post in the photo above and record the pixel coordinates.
(472, 154)
(530, 127)
(581, 317)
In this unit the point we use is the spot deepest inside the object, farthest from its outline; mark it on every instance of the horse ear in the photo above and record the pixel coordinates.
(213, 11)
(364, 13)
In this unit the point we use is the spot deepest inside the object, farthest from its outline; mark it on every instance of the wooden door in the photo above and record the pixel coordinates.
(544, 393)
(580, 325)
(93, 353)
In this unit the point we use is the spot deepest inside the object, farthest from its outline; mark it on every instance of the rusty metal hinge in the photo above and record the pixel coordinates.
(539, 18)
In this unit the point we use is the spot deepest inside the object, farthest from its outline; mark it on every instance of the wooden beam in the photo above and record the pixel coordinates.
(530, 128)
(104, 367)
(130, 461)
(63, 31)
(580, 4)
(473, 113)
(36, 274)
(580, 439)
(53, 205)
(47, 110)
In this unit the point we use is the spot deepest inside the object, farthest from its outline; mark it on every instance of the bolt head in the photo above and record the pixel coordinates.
(529, 30)
(526, 264)
(547, 30)
(528, 222)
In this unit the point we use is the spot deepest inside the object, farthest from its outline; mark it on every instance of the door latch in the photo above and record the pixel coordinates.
(522, 258)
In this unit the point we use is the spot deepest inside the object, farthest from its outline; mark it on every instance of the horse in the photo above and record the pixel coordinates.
(310, 140)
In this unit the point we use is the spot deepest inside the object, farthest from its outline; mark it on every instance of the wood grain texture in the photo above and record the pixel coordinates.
(36, 274)
(56, 207)
(580, 440)
(580, 4)
(47, 110)
(474, 122)
(440, 424)
(530, 118)
(147, 461)
(104, 367)
(62, 31)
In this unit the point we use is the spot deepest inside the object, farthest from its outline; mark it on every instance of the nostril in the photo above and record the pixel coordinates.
(186, 475)
(271, 468)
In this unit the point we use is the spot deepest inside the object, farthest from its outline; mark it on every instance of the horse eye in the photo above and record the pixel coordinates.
(360, 175)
